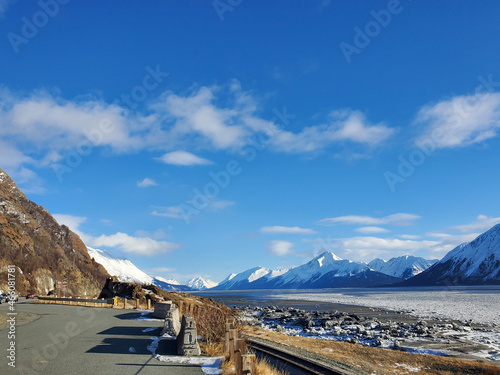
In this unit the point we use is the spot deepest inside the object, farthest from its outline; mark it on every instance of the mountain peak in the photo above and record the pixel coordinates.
(199, 283)
(327, 258)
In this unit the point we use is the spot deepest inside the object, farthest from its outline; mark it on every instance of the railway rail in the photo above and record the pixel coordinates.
(306, 362)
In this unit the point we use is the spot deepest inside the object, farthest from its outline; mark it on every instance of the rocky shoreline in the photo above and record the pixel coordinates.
(378, 328)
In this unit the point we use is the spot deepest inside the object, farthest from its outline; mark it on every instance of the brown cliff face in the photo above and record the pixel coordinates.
(42, 250)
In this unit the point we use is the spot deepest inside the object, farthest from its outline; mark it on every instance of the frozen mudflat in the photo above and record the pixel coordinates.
(479, 305)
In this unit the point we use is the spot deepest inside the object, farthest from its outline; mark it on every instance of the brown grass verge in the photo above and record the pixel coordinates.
(379, 361)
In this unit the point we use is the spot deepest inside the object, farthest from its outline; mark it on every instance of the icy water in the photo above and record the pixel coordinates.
(479, 304)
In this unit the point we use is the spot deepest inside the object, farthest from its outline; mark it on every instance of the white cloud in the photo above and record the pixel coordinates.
(43, 129)
(342, 126)
(217, 204)
(183, 158)
(280, 248)
(400, 219)
(184, 211)
(482, 224)
(173, 212)
(134, 245)
(410, 236)
(460, 121)
(72, 222)
(122, 241)
(147, 182)
(289, 230)
(371, 230)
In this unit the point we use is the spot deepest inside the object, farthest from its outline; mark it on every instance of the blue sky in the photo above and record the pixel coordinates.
(199, 138)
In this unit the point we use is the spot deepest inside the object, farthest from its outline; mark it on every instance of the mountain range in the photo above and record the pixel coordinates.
(327, 270)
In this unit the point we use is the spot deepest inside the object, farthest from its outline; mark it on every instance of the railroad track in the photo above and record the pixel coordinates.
(309, 363)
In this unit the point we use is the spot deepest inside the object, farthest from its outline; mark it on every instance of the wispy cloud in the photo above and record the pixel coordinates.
(281, 248)
(147, 182)
(288, 230)
(217, 204)
(183, 158)
(482, 224)
(371, 230)
(399, 219)
(460, 121)
(183, 212)
(173, 212)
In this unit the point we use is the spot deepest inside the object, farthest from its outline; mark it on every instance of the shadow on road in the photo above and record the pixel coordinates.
(130, 331)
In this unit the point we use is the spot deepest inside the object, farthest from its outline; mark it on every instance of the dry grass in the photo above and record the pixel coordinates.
(379, 361)
(265, 368)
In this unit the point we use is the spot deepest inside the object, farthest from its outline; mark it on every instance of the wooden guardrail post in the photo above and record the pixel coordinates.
(238, 362)
(240, 344)
(149, 304)
(233, 335)
(249, 364)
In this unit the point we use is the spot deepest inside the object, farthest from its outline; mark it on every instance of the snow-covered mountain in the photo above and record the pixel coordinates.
(473, 263)
(128, 272)
(199, 283)
(324, 271)
(404, 267)
(124, 269)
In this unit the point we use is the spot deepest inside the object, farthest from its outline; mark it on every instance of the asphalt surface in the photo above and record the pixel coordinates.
(62, 340)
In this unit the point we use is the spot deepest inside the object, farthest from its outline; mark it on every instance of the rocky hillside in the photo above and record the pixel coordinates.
(42, 250)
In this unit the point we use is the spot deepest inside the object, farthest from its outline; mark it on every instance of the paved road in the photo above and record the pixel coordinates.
(62, 340)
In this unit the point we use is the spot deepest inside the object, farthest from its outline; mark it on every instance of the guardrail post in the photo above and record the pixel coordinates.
(240, 344)
(238, 362)
(249, 366)
(233, 335)
(149, 304)
(137, 303)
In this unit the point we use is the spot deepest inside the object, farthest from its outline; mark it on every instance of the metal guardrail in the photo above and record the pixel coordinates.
(109, 301)
(310, 363)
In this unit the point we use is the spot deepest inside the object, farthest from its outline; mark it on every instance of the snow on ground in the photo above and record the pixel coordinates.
(144, 316)
(149, 329)
(408, 367)
(209, 365)
(479, 306)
